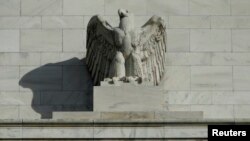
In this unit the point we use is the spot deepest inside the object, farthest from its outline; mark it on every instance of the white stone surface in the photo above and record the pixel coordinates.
(242, 111)
(185, 132)
(228, 97)
(210, 40)
(118, 132)
(22, 59)
(41, 40)
(211, 78)
(178, 115)
(215, 111)
(138, 115)
(209, 7)
(127, 98)
(10, 132)
(177, 107)
(186, 59)
(41, 7)
(176, 78)
(230, 22)
(231, 59)
(9, 7)
(240, 77)
(57, 132)
(240, 7)
(9, 77)
(62, 22)
(189, 22)
(22, 22)
(9, 112)
(9, 40)
(240, 40)
(174, 36)
(74, 40)
(188, 98)
(83, 7)
(167, 7)
(76, 115)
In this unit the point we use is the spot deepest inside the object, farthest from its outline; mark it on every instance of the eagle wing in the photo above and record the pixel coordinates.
(101, 48)
(152, 44)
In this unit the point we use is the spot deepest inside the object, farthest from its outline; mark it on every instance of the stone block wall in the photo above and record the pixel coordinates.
(42, 49)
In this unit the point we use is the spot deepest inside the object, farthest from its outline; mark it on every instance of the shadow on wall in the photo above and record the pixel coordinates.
(62, 86)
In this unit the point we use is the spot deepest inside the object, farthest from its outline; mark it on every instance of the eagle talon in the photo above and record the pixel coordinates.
(115, 79)
(132, 79)
(107, 79)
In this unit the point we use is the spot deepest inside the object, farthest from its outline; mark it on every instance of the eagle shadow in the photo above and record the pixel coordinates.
(63, 86)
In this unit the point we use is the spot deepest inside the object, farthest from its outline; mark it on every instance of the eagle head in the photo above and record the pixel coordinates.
(123, 13)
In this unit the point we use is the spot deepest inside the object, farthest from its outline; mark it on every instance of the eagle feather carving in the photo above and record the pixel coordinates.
(121, 53)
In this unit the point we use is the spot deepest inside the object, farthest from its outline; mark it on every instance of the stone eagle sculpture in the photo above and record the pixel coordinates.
(122, 54)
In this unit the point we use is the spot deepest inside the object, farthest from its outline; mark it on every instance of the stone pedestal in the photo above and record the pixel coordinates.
(128, 97)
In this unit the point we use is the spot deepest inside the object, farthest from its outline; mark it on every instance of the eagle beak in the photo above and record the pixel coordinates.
(121, 13)
(163, 23)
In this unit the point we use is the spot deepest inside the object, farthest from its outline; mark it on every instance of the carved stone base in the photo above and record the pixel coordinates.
(128, 97)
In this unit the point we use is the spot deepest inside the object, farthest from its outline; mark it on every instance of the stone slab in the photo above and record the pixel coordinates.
(9, 77)
(138, 115)
(44, 40)
(167, 7)
(83, 7)
(10, 7)
(211, 78)
(173, 40)
(128, 98)
(76, 115)
(23, 22)
(209, 7)
(9, 40)
(210, 40)
(41, 7)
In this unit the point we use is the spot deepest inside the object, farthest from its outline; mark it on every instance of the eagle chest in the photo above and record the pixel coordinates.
(126, 46)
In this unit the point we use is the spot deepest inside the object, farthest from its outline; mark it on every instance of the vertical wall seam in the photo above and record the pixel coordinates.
(62, 30)
(233, 79)
(104, 7)
(189, 44)
(62, 7)
(41, 22)
(230, 3)
(231, 31)
(20, 7)
(210, 21)
(190, 81)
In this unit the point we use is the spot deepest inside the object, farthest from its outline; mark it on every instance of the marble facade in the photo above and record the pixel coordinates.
(207, 61)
